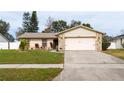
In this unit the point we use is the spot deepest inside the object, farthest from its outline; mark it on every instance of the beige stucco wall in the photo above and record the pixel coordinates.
(61, 42)
(48, 43)
(80, 32)
(32, 43)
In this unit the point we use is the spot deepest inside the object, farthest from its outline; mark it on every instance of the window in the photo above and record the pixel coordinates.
(44, 43)
(36, 45)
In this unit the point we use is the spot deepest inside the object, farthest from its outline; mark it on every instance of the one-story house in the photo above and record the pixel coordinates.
(117, 42)
(4, 42)
(75, 38)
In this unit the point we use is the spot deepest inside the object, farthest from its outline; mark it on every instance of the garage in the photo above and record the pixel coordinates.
(80, 38)
(80, 44)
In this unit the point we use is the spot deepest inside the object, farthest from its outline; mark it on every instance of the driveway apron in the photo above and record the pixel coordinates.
(91, 65)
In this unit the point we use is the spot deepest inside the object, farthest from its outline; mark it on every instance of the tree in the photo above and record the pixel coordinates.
(75, 23)
(4, 28)
(34, 22)
(49, 21)
(48, 25)
(30, 23)
(58, 26)
(87, 25)
(19, 32)
(26, 22)
(25, 25)
(105, 42)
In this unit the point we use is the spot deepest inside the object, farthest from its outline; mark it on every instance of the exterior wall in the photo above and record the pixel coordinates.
(112, 46)
(48, 43)
(98, 42)
(61, 42)
(118, 43)
(10, 45)
(2, 39)
(79, 32)
(3, 45)
(32, 43)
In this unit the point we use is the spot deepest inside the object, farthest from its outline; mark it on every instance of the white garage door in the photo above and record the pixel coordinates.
(80, 44)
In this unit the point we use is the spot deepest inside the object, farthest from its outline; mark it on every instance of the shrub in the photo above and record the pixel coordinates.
(23, 44)
(105, 42)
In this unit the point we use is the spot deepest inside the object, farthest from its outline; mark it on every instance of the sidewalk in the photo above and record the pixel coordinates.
(31, 66)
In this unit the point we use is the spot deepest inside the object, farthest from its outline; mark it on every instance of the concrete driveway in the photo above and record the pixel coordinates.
(91, 65)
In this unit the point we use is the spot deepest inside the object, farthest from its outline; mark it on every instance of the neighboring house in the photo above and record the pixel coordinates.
(76, 38)
(4, 42)
(117, 42)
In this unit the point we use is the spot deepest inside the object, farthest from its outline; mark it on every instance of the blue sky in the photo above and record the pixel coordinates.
(109, 22)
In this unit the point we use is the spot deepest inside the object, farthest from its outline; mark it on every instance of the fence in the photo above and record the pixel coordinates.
(11, 45)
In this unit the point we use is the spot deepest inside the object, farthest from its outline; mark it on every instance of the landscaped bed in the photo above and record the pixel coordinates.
(30, 57)
(116, 52)
(28, 74)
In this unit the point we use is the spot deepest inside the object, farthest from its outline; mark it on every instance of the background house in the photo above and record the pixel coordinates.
(117, 42)
(6, 44)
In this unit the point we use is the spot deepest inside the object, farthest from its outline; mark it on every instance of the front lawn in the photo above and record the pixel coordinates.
(28, 74)
(116, 52)
(30, 57)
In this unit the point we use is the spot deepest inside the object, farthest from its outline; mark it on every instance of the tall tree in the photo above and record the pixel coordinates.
(34, 22)
(26, 22)
(75, 23)
(25, 25)
(30, 23)
(4, 28)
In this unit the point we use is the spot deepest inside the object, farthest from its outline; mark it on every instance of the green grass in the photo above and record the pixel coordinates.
(116, 52)
(29, 57)
(29, 74)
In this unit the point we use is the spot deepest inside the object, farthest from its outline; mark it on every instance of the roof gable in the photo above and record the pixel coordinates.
(79, 32)
(3, 38)
(80, 26)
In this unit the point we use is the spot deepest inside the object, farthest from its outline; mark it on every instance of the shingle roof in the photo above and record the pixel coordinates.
(4, 37)
(119, 36)
(37, 35)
